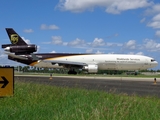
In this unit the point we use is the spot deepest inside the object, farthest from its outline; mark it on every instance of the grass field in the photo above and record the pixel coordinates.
(41, 102)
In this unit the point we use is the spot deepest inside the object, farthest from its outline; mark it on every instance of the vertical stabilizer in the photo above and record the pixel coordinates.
(14, 37)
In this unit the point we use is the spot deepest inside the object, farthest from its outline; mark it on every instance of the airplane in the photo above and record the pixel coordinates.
(22, 52)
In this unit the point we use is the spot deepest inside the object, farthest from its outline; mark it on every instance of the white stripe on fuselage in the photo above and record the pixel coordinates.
(106, 61)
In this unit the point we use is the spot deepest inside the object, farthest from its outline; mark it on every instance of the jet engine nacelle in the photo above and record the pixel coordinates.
(22, 49)
(91, 68)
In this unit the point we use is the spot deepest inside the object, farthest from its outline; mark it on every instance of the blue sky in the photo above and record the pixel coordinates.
(84, 26)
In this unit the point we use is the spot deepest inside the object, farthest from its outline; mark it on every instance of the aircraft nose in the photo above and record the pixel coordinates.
(154, 64)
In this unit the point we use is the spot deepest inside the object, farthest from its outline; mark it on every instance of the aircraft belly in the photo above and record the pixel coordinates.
(48, 65)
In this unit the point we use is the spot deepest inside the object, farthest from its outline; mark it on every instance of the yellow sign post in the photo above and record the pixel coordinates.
(6, 81)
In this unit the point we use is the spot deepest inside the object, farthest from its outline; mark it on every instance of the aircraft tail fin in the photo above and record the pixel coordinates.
(18, 45)
(14, 37)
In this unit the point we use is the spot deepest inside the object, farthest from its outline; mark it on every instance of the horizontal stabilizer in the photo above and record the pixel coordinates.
(16, 56)
(6, 45)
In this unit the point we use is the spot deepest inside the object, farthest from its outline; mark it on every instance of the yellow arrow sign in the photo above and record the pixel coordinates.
(6, 81)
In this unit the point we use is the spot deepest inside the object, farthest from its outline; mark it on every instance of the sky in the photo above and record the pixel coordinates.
(84, 26)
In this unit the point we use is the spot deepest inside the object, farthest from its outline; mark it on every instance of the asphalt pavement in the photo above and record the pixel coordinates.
(130, 86)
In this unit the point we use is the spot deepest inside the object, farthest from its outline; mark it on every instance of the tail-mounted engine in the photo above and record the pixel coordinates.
(20, 49)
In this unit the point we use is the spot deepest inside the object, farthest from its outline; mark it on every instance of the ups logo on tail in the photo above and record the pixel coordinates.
(14, 38)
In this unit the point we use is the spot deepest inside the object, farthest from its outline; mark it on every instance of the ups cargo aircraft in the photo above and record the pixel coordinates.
(22, 52)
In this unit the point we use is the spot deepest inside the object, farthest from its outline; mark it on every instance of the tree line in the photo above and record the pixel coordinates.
(65, 71)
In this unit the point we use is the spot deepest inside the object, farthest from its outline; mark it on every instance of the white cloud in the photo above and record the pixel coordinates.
(65, 43)
(53, 51)
(111, 6)
(96, 45)
(46, 42)
(49, 27)
(140, 53)
(116, 34)
(114, 44)
(98, 42)
(131, 44)
(5, 61)
(151, 45)
(116, 7)
(153, 10)
(111, 53)
(57, 40)
(133, 53)
(99, 52)
(26, 40)
(28, 31)
(157, 33)
(156, 18)
(2, 54)
(111, 36)
(89, 51)
(77, 42)
(143, 20)
(154, 24)
(148, 45)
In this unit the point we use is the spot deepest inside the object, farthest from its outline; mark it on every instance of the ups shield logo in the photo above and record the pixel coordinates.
(14, 38)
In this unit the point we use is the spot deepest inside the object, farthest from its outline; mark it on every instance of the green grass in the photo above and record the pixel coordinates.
(41, 102)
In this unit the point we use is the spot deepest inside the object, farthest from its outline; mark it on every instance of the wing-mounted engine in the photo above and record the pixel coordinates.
(91, 68)
(20, 49)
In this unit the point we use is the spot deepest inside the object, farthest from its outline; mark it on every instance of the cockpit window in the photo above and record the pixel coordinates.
(152, 60)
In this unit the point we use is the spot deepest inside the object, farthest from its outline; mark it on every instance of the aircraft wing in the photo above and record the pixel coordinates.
(66, 63)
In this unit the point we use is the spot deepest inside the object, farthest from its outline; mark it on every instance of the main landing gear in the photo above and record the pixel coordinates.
(72, 71)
